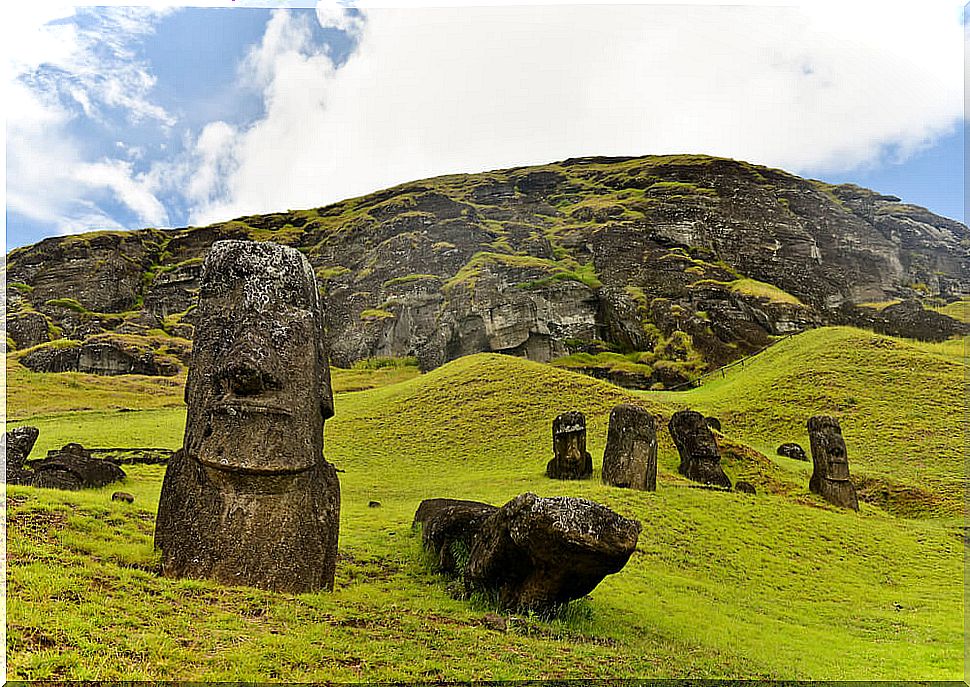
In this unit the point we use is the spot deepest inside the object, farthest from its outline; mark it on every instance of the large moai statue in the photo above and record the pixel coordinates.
(571, 459)
(249, 499)
(630, 458)
(700, 459)
(830, 475)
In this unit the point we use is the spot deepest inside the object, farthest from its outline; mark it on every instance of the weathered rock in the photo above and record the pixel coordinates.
(449, 528)
(250, 499)
(830, 476)
(123, 496)
(713, 423)
(744, 487)
(20, 441)
(72, 468)
(571, 459)
(28, 328)
(792, 450)
(134, 456)
(700, 459)
(97, 357)
(540, 553)
(630, 457)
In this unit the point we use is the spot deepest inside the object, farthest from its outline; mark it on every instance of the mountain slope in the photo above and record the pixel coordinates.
(694, 259)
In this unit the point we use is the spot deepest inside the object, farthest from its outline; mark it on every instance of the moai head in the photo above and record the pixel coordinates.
(630, 456)
(258, 388)
(571, 459)
(829, 455)
(700, 459)
(250, 498)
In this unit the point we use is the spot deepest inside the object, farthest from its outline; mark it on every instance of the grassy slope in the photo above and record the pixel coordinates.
(776, 585)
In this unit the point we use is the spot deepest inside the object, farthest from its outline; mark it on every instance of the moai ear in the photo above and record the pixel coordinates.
(326, 386)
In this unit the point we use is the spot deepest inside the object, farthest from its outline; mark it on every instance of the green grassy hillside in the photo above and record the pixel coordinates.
(778, 585)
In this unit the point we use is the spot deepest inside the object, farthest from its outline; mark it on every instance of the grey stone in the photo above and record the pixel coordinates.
(250, 499)
(700, 459)
(630, 457)
(792, 450)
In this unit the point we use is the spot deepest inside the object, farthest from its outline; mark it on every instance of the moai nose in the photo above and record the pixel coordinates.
(250, 369)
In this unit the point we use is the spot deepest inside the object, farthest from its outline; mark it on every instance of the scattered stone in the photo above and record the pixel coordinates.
(123, 496)
(572, 460)
(793, 451)
(250, 499)
(630, 458)
(540, 553)
(830, 476)
(494, 621)
(744, 487)
(449, 527)
(373, 504)
(73, 468)
(700, 460)
(713, 423)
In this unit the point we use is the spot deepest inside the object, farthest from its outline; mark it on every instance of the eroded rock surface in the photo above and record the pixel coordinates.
(630, 457)
(533, 553)
(571, 459)
(73, 467)
(700, 459)
(250, 499)
(830, 474)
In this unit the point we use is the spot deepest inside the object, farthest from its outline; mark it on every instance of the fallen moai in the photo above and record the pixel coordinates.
(533, 553)
(250, 499)
(71, 467)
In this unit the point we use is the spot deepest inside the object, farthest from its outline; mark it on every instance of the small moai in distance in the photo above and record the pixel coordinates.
(830, 473)
(630, 457)
(249, 498)
(700, 459)
(571, 459)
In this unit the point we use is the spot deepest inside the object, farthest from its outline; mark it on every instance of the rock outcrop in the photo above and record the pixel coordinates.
(691, 260)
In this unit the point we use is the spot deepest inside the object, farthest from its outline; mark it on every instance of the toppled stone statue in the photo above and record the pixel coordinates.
(792, 450)
(830, 475)
(630, 458)
(534, 553)
(73, 467)
(571, 459)
(20, 442)
(448, 528)
(250, 499)
(700, 459)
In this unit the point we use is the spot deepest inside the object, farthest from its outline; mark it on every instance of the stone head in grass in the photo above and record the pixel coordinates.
(830, 473)
(700, 459)
(249, 499)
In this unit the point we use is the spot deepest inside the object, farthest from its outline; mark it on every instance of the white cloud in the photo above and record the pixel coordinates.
(432, 91)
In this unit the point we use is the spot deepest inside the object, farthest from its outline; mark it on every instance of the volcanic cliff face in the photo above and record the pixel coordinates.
(690, 260)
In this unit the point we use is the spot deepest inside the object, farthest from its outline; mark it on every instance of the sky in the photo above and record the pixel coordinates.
(123, 117)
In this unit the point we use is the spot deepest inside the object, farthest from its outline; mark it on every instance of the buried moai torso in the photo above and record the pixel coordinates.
(830, 473)
(630, 457)
(700, 459)
(250, 499)
(571, 459)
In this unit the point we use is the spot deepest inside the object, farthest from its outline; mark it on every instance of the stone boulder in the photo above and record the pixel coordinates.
(830, 476)
(792, 450)
(630, 457)
(97, 357)
(571, 459)
(73, 468)
(713, 423)
(540, 553)
(700, 459)
(743, 487)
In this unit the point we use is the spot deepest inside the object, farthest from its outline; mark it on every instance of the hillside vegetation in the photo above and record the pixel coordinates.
(778, 585)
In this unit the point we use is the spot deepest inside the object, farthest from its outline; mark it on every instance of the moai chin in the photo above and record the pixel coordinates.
(630, 457)
(700, 459)
(830, 473)
(571, 459)
(250, 499)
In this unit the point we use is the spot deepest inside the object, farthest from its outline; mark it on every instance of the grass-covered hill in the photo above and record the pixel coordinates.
(682, 262)
(776, 585)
